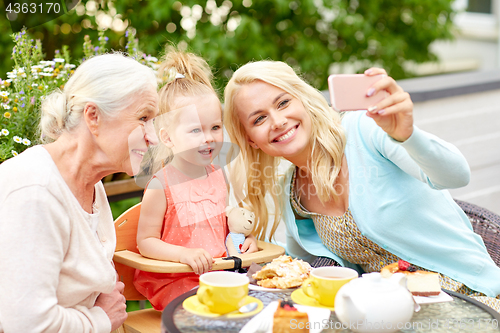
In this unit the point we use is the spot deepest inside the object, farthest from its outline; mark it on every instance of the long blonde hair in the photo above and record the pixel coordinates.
(195, 79)
(327, 142)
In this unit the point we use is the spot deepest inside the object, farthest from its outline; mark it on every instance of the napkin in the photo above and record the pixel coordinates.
(317, 317)
(254, 268)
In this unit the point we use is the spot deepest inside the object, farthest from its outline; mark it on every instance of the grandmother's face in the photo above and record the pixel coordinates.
(127, 136)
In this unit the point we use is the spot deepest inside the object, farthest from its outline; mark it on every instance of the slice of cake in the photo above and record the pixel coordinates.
(287, 319)
(419, 283)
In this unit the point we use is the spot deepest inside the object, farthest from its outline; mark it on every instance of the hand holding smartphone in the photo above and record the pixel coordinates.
(348, 91)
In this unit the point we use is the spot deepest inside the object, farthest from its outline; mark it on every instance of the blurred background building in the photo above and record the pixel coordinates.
(476, 45)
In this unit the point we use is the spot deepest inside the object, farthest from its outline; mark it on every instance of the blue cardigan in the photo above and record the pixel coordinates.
(397, 199)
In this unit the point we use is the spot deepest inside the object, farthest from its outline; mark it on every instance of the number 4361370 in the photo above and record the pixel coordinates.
(40, 8)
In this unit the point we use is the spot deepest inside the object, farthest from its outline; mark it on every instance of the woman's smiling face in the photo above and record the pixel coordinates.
(126, 137)
(274, 120)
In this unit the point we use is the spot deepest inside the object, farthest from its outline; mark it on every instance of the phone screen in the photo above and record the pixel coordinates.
(348, 91)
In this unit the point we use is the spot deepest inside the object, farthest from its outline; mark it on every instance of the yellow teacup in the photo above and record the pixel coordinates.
(222, 292)
(324, 282)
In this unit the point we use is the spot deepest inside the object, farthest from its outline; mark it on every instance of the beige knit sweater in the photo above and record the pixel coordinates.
(55, 258)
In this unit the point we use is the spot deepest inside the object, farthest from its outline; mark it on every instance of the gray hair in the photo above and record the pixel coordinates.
(111, 81)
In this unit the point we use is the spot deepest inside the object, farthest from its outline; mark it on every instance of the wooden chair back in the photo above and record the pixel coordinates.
(126, 239)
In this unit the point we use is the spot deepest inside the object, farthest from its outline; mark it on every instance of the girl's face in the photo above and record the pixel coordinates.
(274, 120)
(197, 134)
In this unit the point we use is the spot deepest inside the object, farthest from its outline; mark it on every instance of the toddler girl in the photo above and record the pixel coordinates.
(182, 213)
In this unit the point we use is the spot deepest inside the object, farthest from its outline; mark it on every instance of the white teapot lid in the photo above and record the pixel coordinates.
(374, 282)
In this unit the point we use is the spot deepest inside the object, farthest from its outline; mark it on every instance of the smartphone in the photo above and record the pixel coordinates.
(348, 91)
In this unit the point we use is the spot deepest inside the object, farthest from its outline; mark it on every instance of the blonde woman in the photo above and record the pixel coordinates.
(364, 189)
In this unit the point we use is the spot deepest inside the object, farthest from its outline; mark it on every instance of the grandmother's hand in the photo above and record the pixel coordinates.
(114, 305)
(394, 114)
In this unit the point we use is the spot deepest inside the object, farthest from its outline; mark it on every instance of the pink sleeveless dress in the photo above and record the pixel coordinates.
(194, 218)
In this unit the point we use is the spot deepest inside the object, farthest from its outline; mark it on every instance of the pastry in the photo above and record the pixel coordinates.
(419, 283)
(288, 319)
(283, 273)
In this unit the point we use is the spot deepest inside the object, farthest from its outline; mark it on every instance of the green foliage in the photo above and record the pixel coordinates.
(351, 35)
(119, 207)
(136, 305)
(32, 79)
(28, 83)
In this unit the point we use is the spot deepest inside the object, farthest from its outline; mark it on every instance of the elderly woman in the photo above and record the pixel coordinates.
(56, 229)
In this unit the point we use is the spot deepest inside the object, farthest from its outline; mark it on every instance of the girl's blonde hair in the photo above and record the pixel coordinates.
(182, 74)
(327, 142)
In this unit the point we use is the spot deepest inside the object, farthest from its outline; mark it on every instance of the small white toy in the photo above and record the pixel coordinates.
(240, 223)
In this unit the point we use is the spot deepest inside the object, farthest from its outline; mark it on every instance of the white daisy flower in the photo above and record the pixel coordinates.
(153, 59)
(47, 63)
(48, 69)
(4, 93)
(35, 84)
(5, 131)
(11, 75)
(14, 153)
(59, 60)
(37, 67)
(6, 106)
(46, 74)
(26, 142)
(69, 66)
(17, 139)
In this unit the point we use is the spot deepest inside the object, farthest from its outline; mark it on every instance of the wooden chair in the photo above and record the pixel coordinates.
(487, 225)
(127, 258)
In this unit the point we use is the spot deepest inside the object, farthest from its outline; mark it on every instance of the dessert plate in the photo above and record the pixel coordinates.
(299, 297)
(317, 319)
(191, 304)
(442, 297)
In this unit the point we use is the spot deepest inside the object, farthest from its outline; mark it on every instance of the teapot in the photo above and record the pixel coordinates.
(375, 304)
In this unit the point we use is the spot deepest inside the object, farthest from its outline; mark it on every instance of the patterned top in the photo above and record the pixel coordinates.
(341, 235)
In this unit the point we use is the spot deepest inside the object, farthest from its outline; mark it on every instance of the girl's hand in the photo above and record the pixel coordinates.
(250, 245)
(199, 259)
(394, 114)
